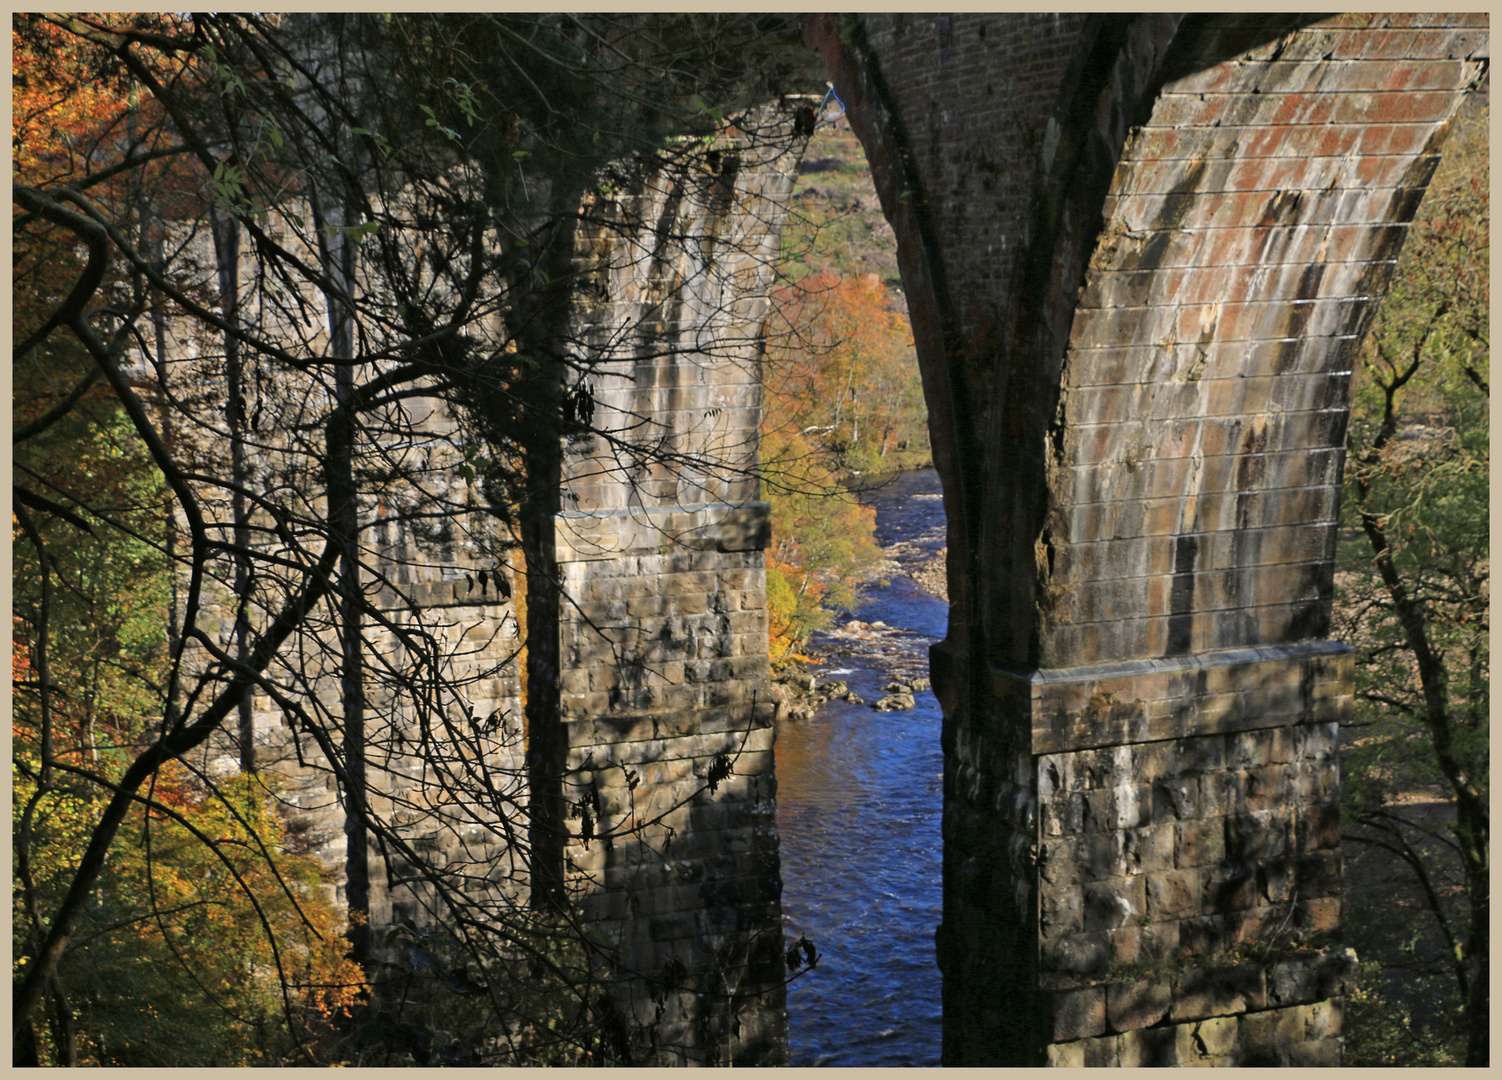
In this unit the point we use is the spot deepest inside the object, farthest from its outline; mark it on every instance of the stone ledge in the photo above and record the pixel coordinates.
(606, 729)
(587, 536)
(1307, 1035)
(1159, 698)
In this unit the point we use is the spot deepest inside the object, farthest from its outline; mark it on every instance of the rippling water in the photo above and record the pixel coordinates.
(859, 800)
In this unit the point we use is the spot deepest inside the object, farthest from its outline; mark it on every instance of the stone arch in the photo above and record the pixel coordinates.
(1140, 252)
(1139, 435)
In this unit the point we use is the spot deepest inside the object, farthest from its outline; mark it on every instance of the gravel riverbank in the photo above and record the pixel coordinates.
(932, 578)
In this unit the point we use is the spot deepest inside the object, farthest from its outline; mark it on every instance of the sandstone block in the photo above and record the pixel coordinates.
(1324, 1020)
(1102, 855)
(1060, 861)
(1148, 1048)
(1266, 788)
(1316, 742)
(1294, 982)
(1079, 1013)
(1137, 1004)
(1202, 934)
(1127, 806)
(1199, 844)
(1057, 774)
(1145, 943)
(1152, 761)
(1069, 1055)
(1275, 880)
(1268, 1037)
(1113, 902)
(690, 603)
(1101, 1053)
(1207, 1043)
(1201, 754)
(1258, 834)
(1064, 815)
(1318, 874)
(1229, 888)
(1150, 849)
(1076, 954)
(1316, 1054)
(1219, 992)
(1176, 797)
(1174, 894)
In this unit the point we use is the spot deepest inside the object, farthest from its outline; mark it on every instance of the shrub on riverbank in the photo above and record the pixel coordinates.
(822, 543)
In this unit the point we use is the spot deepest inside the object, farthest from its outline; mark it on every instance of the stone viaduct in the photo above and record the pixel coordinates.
(1139, 253)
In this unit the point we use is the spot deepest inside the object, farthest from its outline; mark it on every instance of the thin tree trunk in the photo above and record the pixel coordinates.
(159, 329)
(546, 738)
(344, 533)
(547, 747)
(1431, 678)
(227, 257)
(1474, 841)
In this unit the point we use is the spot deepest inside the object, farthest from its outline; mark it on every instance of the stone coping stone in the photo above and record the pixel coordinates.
(594, 535)
(1063, 721)
(1153, 665)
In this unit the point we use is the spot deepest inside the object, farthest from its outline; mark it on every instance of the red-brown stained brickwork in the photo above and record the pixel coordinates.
(1217, 267)
(1139, 253)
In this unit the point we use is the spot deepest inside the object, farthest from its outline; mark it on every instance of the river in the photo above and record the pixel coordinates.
(859, 799)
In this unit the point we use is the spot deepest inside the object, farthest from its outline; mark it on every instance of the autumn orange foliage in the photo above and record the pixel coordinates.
(841, 394)
(841, 370)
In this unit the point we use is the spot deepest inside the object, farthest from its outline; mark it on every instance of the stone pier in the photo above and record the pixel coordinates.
(665, 712)
(1140, 252)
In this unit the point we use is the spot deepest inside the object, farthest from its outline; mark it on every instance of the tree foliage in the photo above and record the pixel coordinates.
(210, 940)
(842, 400)
(843, 374)
(822, 543)
(1414, 597)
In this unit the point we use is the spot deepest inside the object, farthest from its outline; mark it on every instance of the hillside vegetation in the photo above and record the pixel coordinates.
(844, 402)
(1414, 598)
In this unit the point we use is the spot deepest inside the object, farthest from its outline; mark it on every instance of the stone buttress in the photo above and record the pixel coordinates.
(651, 732)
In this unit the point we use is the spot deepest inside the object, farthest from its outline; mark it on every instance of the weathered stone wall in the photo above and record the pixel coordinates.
(1140, 252)
(656, 736)
(420, 580)
(663, 633)
(1255, 214)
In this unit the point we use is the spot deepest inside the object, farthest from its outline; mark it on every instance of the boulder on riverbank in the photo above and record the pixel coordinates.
(800, 697)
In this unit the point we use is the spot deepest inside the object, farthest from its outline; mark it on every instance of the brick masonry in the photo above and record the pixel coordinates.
(1140, 252)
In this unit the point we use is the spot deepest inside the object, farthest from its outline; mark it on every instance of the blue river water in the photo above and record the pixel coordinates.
(859, 804)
